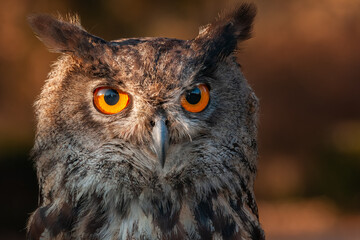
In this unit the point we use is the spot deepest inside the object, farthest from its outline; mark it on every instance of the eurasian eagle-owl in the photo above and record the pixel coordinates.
(146, 138)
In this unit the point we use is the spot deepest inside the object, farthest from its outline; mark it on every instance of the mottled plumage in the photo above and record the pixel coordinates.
(100, 175)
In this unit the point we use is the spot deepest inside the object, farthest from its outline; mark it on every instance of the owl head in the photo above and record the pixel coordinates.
(145, 119)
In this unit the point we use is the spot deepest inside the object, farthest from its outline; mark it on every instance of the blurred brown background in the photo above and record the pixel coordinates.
(303, 62)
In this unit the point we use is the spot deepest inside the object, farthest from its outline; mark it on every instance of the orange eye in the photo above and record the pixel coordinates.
(109, 100)
(196, 99)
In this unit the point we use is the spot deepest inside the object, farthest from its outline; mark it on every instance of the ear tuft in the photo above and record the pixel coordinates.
(219, 39)
(62, 36)
(57, 35)
(239, 22)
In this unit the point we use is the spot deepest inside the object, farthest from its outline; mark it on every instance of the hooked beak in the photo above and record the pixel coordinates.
(160, 138)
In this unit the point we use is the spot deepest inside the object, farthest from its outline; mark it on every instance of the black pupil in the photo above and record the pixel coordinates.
(111, 97)
(193, 96)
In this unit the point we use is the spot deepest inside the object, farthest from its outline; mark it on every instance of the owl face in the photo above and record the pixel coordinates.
(145, 137)
(158, 95)
(157, 105)
(160, 105)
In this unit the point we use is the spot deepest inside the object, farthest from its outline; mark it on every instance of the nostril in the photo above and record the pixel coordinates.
(152, 123)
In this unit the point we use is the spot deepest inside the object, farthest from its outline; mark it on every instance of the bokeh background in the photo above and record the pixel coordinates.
(303, 62)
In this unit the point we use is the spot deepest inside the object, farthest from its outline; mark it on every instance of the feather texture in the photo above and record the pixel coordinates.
(99, 175)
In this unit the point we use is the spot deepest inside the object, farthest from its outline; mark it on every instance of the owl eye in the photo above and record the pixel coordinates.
(109, 100)
(196, 99)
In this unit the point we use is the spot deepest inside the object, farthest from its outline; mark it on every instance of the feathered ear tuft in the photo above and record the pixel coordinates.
(239, 22)
(219, 39)
(64, 37)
